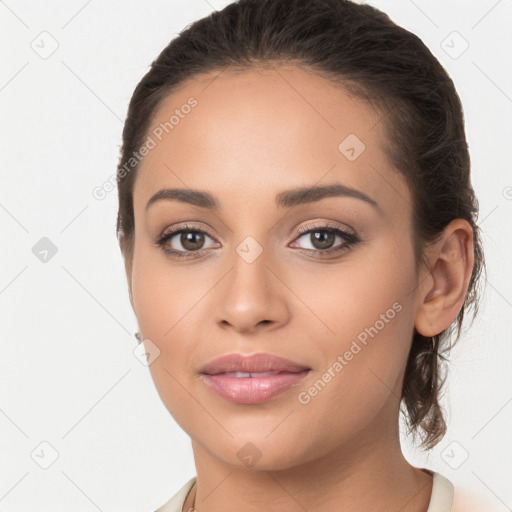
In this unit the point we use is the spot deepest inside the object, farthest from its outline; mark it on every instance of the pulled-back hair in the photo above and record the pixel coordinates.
(360, 49)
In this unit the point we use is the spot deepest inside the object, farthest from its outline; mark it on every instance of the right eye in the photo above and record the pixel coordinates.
(183, 241)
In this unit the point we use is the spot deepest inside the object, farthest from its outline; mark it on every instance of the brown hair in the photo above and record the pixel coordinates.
(359, 48)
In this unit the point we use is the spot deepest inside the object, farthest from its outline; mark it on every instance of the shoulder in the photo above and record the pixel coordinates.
(445, 498)
(175, 504)
(442, 493)
(465, 499)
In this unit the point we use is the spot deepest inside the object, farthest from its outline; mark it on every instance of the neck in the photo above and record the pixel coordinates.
(367, 473)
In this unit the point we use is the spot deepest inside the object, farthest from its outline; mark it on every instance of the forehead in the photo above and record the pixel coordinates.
(266, 128)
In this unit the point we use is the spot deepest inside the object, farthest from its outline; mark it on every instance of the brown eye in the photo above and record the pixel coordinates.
(325, 240)
(322, 239)
(184, 241)
(192, 240)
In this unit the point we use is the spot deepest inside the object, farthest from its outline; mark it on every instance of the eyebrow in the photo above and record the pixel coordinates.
(286, 199)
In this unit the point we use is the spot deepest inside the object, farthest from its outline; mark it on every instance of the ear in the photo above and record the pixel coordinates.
(444, 284)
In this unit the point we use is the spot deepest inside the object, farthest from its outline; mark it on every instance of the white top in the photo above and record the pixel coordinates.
(440, 499)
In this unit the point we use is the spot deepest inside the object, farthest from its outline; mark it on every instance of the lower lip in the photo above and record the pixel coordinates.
(253, 390)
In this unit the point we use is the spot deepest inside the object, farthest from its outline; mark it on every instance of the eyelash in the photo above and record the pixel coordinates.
(349, 238)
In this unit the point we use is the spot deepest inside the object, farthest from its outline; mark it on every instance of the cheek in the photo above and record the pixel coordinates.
(367, 318)
(345, 299)
(169, 301)
(361, 376)
(165, 314)
(164, 293)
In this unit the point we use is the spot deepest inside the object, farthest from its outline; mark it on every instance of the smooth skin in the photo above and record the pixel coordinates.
(253, 135)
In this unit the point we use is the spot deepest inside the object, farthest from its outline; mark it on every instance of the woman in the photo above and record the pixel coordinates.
(299, 233)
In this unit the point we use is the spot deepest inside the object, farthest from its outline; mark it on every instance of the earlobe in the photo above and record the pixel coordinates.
(451, 264)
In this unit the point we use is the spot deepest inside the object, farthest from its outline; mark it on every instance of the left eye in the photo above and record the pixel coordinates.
(324, 239)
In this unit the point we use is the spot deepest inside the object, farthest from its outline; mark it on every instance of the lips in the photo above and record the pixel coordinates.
(248, 374)
(251, 364)
(252, 379)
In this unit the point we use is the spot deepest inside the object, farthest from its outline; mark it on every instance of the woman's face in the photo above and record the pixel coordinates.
(249, 276)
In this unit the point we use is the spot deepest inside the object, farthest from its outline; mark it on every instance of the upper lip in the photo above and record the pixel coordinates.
(261, 362)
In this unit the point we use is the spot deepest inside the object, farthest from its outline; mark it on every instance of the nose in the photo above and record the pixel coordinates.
(252, 297)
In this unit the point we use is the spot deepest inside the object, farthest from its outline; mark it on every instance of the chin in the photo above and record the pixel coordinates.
(261, 452)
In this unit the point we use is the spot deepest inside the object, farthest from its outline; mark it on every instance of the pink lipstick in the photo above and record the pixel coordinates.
(252, 379)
